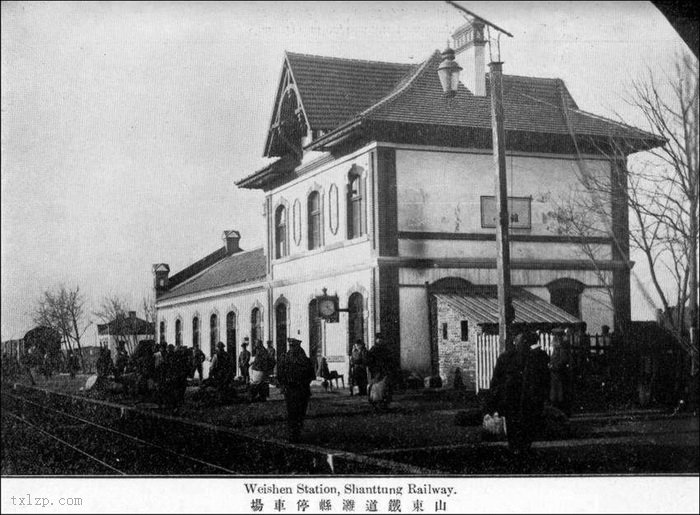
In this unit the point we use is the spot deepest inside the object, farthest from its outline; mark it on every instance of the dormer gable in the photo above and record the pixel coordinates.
(289, 127)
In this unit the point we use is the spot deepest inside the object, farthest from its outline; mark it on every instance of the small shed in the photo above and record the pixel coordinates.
(460, 319)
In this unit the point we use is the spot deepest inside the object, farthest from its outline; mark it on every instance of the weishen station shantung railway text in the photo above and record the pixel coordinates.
(349, 488)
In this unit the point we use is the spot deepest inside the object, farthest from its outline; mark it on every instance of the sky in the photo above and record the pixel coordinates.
(126, 125)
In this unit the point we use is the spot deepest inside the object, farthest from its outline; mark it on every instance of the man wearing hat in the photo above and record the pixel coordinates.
(244, 360)
(295, 373)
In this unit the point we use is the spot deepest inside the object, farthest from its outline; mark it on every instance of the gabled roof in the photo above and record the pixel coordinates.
(531, 104)
(480, 304)
(126, 325)
(339, 96)
(333, 90)
(238, 268)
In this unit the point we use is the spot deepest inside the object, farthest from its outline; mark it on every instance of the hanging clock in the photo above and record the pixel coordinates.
(328, 307)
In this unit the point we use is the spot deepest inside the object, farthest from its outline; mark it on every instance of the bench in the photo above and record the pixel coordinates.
(333, 376)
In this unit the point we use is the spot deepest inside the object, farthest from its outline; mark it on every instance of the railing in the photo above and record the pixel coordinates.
(487, 353)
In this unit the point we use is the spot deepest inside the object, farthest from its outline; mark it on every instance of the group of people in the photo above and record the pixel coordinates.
(524, 380)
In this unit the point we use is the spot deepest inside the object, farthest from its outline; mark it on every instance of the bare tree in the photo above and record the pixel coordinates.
(63, 310)
(114, 311)
(662, 196)
(149, 308)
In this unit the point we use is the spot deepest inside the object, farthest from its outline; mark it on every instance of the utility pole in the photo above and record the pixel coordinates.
(505, 305)
(506, 314)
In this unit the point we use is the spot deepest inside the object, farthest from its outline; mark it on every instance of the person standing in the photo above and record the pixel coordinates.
(380, 364)
(244, 361)
(295, 373)
(73, 364)
(358, 368)
(519, 387)
(198, 358)
(271, 350)
(559, 365)
(259, 373)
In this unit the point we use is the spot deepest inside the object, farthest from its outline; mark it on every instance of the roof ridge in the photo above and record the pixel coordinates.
(201, 272)
(347, 59)
(392, 95)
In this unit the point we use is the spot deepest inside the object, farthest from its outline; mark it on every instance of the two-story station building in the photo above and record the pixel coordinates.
(382, 194)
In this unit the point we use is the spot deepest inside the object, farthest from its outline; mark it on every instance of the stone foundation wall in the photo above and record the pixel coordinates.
(453, 353)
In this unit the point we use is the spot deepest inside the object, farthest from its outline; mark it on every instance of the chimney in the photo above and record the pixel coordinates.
(469, 45)
(160, 278)
(231, 240)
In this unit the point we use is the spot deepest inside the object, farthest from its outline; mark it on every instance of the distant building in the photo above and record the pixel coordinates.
(381, 190)
(127, 330)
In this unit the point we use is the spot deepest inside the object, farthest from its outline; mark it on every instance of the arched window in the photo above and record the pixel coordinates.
(281, 232)
(162, 331)
(314, 218)
(566, 294)
(255, 326)
(213, 334)
(195, 331)
(231, 332)
(178, 332)
(357, 225)
(356, 321)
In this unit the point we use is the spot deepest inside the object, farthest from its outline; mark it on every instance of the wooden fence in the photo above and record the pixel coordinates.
(487, 353)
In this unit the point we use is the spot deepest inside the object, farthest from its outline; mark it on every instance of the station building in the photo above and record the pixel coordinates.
(380, 197)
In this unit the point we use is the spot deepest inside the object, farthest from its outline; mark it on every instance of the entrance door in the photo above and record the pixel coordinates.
(356, 322)
(281, 329)
(315, 336)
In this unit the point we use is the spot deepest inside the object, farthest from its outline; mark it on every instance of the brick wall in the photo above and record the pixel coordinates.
(453, 353)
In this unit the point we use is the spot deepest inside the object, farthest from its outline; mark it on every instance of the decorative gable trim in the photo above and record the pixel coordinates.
(282, 131)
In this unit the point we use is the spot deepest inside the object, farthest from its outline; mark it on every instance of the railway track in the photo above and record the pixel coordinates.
(124, 440)
(117, 451)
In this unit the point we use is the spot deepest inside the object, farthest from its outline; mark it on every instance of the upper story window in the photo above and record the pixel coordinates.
(357, 225)
(314, 217)
(281, 248)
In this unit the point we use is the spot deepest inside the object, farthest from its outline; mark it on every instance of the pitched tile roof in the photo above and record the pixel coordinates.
(333, 90)
(531, 104)
(238, 268)
(480, 304)
(339, 94)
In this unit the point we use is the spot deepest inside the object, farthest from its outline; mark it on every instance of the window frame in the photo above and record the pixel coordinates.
(281, 229)
(314, 219)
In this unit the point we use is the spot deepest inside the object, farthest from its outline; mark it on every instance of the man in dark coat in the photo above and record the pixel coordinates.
(519, 388)
(198, 359)
(244, 361)
(380, 361)
(358, 368)
(295, 373)
(180, 372)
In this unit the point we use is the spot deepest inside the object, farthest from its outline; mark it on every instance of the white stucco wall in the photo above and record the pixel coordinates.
(335, 335)
(487, 250)
(331, 181)
(440, 191)
(203, 306)
(415, 329)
